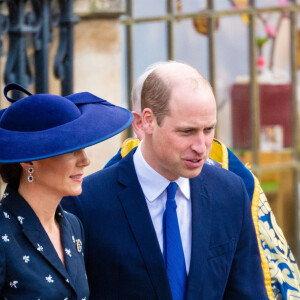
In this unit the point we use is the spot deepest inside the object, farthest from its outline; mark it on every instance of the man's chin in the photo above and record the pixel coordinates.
(192, 173)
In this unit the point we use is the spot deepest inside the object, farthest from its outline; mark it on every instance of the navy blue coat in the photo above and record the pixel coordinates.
(30, 268)
(123, 257)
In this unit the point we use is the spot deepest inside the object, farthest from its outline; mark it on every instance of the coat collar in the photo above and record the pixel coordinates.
(136, 210)
(154, 184)
(17, 207)
(201, 232)
(134, 204)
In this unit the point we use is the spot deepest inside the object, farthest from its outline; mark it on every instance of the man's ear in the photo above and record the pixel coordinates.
(137, 125)
(148, 120)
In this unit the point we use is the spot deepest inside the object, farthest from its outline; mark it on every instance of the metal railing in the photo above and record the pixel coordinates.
(211, 14)
(29, 24)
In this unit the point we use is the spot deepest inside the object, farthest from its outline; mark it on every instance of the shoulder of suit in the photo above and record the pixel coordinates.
(4, 217)
(110, 172)
(74, 222)
(9, 225)
(217, 173)
(71, 217)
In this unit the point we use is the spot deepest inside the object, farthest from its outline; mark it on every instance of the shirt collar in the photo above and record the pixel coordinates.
(153, 184)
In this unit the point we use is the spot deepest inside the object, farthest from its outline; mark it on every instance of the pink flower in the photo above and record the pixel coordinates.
(260, 62)
(270, 30)
(283, 2)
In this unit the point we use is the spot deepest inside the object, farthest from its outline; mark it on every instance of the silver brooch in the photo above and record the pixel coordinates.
(78, 245)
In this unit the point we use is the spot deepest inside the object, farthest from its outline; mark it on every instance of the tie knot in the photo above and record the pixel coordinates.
(171, 190)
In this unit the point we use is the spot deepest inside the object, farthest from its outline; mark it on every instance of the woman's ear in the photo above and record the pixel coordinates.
(26, 165)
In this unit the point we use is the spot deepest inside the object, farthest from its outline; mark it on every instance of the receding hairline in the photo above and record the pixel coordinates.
(163, 70)
(136, 92)
(176, 73)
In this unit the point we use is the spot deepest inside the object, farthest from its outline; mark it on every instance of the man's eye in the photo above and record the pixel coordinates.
(209, 129)
(186, 131)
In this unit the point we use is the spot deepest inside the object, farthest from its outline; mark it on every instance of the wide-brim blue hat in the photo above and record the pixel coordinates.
(44, 125)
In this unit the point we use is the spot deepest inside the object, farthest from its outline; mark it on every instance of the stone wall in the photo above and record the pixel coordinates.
(97, 69)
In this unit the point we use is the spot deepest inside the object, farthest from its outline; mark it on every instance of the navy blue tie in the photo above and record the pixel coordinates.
(173, 251)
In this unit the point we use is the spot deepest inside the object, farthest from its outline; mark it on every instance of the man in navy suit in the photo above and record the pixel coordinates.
(122, 207)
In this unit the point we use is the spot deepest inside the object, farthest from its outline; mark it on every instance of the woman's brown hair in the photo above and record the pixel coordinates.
(11, 173)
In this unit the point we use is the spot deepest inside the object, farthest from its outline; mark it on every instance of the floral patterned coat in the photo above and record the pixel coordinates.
(29, 265)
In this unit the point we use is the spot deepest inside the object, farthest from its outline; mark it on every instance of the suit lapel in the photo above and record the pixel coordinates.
(201, 224)
(41, 242)
(135, 207)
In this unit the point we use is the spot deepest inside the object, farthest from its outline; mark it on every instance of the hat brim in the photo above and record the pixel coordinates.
(106, 121)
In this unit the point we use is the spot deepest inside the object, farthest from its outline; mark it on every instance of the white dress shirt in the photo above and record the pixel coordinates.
(154, 188)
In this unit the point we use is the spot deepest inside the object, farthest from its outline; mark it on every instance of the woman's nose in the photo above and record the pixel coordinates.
(83, 159)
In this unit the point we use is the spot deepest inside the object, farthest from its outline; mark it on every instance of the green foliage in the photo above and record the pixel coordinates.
(261, 41)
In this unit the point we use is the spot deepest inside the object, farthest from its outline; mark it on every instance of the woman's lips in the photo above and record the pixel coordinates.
(77, 177)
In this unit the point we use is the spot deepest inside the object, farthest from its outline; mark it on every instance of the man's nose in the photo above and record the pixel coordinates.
(198, 144)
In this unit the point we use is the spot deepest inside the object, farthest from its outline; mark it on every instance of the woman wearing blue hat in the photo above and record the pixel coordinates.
(42, 160)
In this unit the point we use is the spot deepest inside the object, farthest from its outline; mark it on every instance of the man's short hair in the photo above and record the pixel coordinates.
(153, 90)
(138, 85)
(155, 95)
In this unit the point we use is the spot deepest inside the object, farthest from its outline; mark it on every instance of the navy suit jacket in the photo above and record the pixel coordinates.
(123, 257)
(29, 265)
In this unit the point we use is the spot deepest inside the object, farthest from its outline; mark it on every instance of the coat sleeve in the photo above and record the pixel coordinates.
(246, 279)
(2, 267)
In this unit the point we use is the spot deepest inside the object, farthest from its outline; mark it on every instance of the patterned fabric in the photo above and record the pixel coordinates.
(29, 265)
(282, 276)
(281, 273)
